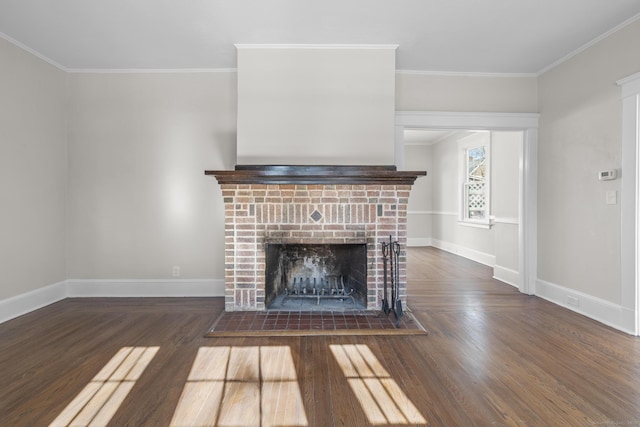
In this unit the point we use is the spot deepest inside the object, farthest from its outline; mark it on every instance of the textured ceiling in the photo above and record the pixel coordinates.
(466, 36)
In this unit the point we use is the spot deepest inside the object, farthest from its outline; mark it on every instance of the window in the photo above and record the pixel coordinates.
(475, 179)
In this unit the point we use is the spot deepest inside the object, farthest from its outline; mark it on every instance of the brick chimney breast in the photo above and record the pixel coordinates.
(310, 205)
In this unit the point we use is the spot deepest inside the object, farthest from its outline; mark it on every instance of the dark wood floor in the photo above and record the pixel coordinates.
(493, 357)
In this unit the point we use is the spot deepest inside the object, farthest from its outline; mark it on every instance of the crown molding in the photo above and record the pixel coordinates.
(33, 52)
(589, 44)
(316, 46)
(150, 70)
(465, 74)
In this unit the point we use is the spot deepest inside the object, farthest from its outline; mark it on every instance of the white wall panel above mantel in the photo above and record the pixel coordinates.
(316, 104)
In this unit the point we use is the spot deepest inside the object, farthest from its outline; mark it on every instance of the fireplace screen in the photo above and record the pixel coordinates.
(316, 276)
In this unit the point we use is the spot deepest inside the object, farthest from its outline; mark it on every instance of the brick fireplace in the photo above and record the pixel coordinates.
(310, 205)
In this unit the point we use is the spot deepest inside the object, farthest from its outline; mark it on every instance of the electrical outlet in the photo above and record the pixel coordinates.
(176, 271)
(574, 301)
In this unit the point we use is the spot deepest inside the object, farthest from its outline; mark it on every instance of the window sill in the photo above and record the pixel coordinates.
(476, 224)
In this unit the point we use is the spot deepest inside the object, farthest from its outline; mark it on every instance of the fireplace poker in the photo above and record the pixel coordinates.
(393, 276)
(385, 302)
(398, 307)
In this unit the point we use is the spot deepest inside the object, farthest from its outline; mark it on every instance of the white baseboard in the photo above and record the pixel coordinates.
(472, 254)
(145, 288)
(13, 307)
(506, 275)
(503, 274)
(603, 311)
(418, 241)
(18, 305)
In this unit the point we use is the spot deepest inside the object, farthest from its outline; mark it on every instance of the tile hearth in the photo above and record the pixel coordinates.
(247, 323)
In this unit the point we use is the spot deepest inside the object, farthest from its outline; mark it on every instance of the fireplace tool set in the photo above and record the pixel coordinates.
(327, 289)
(390, 254)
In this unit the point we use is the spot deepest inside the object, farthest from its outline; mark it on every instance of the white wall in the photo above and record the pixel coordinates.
(506, 150)
(316, 105)
(33, 163)
(580, 134)
(419, 209)
(425, 92)
(139, 202)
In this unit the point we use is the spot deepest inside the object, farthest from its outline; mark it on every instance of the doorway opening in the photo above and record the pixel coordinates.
(526, 125)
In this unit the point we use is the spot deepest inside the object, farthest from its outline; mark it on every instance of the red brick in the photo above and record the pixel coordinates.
(247, 266)
(244, 276)
(245, 199)
(244, 241)
(247, 226)
(244, 220)
(245, 233)
(345, 234)
(288, 227)
(329, 200)
(302, 234)
(360, 200)
(331, 227)
(243, 253)
(387, 227)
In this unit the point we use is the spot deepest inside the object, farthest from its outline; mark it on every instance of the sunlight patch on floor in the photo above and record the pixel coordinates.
(101, 398)
(241, 386)
(382, 400)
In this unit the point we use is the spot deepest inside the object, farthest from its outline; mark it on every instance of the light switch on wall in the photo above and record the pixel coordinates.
(612, 197)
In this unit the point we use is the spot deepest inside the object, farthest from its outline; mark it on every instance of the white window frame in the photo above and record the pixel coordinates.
(475, 140)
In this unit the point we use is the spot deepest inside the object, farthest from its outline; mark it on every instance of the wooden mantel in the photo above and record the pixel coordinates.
(315, 174)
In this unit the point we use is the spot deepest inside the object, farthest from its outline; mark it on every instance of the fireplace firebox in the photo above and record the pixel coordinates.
(313, 214)
(315, 276)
